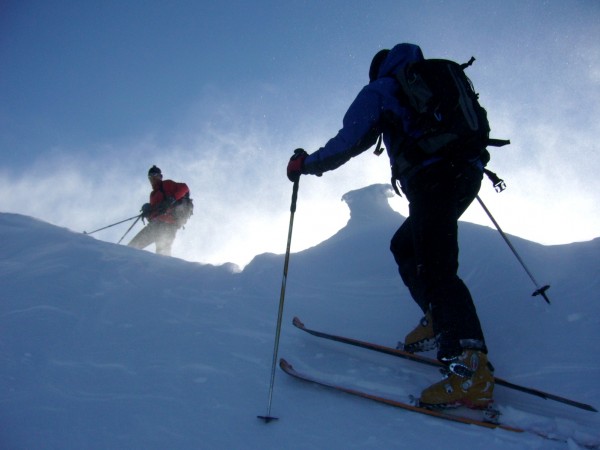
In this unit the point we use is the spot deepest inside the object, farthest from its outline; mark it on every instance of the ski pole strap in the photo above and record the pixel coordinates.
(499, 184)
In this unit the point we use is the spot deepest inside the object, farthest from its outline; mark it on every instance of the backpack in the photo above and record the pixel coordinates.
(447, 112)
(448, 119)
(183, 209)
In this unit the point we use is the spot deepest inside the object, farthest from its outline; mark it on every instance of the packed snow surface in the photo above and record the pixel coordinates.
(107, 347)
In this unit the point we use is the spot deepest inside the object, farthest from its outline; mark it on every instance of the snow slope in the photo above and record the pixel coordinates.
(107, 347)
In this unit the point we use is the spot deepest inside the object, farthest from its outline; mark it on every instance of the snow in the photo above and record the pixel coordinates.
(107, 347)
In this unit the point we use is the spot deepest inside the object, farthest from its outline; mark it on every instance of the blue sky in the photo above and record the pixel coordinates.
(218, 94)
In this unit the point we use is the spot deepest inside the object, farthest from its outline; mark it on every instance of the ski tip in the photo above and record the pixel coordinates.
(268, 419)
(297, 323)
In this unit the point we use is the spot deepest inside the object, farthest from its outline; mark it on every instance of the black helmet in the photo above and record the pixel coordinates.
(154, 171)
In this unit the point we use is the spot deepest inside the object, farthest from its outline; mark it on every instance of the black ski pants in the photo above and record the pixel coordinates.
(425, 248)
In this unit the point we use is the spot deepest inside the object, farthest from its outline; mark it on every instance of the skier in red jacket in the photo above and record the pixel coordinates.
(160, 213)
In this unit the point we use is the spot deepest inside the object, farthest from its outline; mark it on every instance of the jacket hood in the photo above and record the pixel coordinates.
(398, 57)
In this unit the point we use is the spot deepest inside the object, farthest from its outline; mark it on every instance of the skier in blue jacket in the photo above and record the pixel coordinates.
(425, 247)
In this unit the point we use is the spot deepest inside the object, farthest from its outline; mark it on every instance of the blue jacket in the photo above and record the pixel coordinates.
(375, 110)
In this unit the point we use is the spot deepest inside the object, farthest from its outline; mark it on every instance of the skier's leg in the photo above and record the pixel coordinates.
(144, 238)
(439, 197)
(165, 238)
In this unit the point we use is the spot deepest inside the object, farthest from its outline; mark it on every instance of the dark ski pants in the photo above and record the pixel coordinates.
(425, 248)
(160, 233)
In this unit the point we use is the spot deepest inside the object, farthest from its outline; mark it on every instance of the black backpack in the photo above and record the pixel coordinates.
(183, 210)
(447, 110)
(447, 114)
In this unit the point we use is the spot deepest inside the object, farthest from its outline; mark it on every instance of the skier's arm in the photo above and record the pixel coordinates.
(175, 190)
(359, 132)
(180, 191)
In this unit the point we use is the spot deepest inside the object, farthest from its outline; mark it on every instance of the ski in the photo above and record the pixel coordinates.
(440, 414)
(435, 363)
(289, 369)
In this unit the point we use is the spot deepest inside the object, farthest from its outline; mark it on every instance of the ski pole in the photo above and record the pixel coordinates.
(129, 229)
(112, 225)
(268, 418)
(539, 290)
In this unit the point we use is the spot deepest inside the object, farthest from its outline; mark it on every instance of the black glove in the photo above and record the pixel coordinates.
(296, 164)
(146, 210)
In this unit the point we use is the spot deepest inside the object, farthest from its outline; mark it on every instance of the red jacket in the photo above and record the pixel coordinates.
(167, 188)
